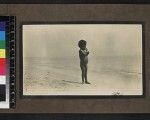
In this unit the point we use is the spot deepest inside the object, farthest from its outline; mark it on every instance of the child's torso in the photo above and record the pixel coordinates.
(84, 59)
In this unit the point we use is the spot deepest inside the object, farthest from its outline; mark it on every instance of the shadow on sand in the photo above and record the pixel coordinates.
(71, 82)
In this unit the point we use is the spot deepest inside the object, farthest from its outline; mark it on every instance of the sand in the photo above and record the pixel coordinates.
(108, 76)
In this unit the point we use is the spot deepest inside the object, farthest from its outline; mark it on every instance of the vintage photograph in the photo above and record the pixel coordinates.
(82, 59)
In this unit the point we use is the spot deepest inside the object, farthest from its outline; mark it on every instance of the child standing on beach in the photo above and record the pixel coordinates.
(83, 55)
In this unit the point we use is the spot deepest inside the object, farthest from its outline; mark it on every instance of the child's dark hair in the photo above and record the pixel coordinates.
(81, 43)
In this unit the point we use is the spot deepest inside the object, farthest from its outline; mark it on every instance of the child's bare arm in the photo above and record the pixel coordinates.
(85, 53)
(81, 55)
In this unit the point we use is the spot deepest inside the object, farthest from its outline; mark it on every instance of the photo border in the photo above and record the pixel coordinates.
(75, 2)
(74, 116)
(80, 96)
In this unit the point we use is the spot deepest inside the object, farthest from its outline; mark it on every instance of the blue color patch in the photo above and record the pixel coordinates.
(2, 35)
(2, 26)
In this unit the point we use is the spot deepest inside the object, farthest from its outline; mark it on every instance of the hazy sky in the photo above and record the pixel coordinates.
(62, 40)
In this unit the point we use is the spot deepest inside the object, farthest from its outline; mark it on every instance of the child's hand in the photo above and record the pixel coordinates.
(88, 52)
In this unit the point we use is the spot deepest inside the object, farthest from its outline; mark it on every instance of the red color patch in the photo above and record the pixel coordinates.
(2, 66)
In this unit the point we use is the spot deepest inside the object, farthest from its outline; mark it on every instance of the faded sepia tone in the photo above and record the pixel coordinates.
(51, 59)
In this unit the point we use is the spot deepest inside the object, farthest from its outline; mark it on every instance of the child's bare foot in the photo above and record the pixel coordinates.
(87, 82)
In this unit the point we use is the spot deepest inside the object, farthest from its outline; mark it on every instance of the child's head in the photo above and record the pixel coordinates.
(82, 44)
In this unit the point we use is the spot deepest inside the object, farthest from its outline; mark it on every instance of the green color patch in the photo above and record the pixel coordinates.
(2, 45)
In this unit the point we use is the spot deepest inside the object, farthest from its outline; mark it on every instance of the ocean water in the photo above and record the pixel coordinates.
(119, 75)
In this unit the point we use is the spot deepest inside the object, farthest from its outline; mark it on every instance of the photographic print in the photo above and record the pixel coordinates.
(82, 59)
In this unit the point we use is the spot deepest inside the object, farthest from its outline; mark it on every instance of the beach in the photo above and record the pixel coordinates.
(108, 75)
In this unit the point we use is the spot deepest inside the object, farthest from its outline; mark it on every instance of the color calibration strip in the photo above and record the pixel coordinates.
(2, 61)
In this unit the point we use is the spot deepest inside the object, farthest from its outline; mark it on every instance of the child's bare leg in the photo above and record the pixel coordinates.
(83, 73)
(82, 76)
(86, 81)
